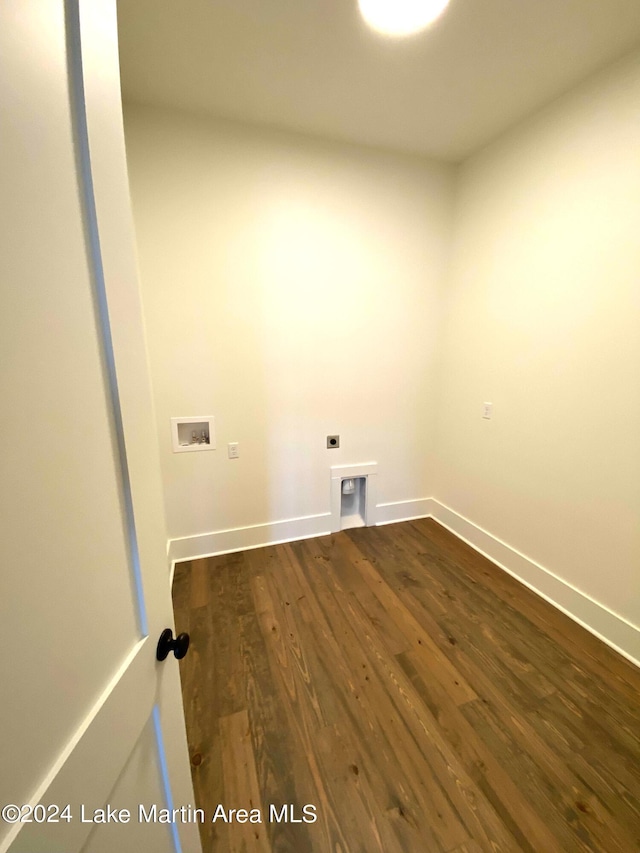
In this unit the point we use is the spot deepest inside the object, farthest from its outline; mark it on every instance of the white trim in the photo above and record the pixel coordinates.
(362, 470)
(244, 538)
(390, 513)
(610, 627)
(219, 542)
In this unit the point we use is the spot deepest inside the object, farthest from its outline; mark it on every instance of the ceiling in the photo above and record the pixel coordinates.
(314, 67)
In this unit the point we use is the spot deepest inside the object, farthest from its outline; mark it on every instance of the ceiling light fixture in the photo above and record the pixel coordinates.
(401, 17)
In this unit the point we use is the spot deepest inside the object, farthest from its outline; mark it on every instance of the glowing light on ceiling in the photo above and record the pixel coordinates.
(401, 17)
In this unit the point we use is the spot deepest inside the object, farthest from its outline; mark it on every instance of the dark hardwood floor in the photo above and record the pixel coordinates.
(415, 694)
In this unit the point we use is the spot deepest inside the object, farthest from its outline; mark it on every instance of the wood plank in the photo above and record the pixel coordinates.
(438, 784)
(241, 788)
(469, 847)
(530, 828)
(386, 751)
(610, 667)
(198, 675)
(180, 593)
(414, 693)
(199, 583)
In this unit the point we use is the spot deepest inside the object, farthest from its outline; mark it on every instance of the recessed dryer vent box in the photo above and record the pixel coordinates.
(189, 434)
(353, 496)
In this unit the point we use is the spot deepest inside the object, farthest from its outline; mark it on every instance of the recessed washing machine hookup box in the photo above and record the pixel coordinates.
(189, 434)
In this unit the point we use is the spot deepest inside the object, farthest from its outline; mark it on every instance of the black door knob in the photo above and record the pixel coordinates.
(167, 644)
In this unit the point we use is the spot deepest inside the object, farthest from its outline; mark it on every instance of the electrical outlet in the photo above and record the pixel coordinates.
(487, 411)
(233, 451)
(333, 441)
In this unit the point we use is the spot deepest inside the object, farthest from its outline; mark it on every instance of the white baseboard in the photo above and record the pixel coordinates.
(608, 626)
(276, 532)
(404, 510)
(243, 538)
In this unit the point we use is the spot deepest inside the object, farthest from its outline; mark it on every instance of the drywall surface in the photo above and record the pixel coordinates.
(542, 319)
(291, 289)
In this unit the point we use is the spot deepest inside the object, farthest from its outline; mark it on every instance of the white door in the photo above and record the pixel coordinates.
(87, 715)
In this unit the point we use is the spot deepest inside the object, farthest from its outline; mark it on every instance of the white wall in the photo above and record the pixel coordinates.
(291, 288)
(543, 320)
